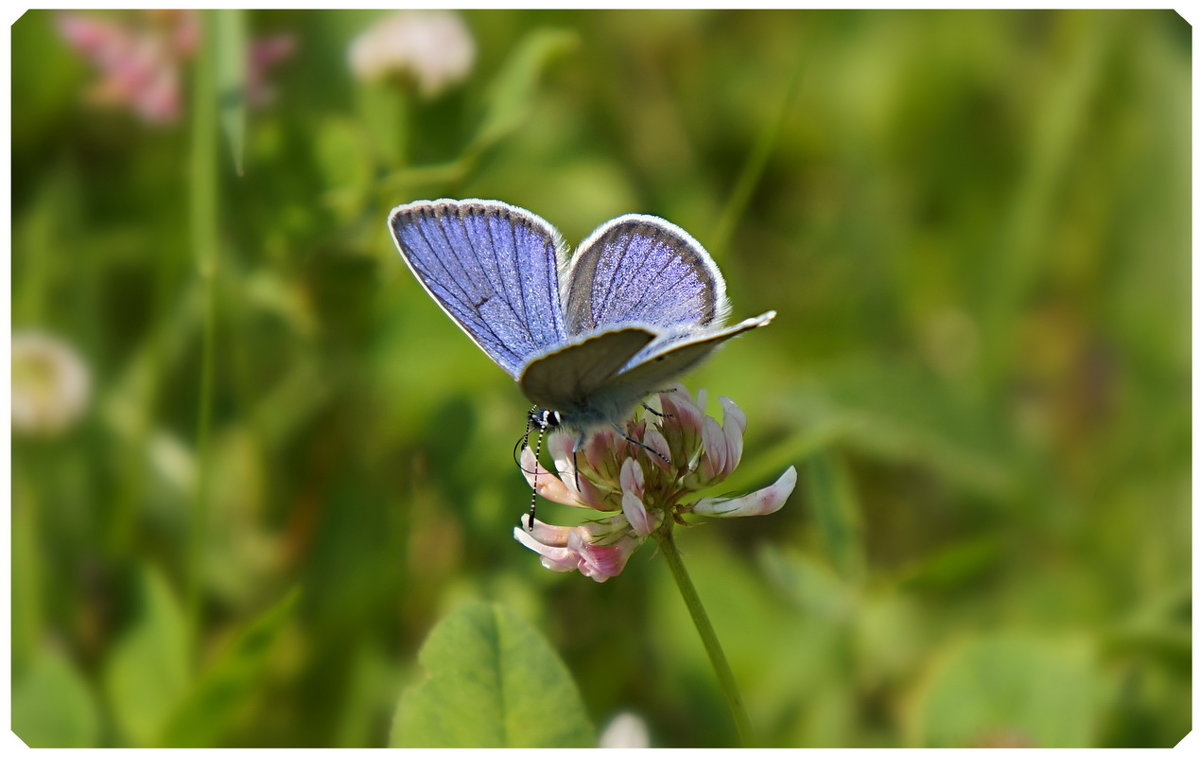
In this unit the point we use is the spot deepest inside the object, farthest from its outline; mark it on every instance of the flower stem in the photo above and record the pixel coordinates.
(704, 627)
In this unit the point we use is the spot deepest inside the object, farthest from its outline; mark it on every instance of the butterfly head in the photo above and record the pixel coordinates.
(546, 420)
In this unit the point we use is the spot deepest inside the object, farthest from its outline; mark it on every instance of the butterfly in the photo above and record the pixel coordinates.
(587, 336)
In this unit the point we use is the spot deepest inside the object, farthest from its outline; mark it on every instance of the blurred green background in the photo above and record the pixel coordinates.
(975, 227)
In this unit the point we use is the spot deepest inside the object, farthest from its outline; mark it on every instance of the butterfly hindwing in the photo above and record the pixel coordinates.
(642, 269)
(564, 379)
(662, 362)
(492, 267)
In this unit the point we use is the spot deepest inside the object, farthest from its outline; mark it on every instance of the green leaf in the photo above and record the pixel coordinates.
(1008, 690)
(52, 705)
(147, 673)
(227, 688)
(493, 681)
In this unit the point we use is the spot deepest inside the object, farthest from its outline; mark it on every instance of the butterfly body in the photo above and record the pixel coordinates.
(586, 338)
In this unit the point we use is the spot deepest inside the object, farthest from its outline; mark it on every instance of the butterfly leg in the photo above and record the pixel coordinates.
(523, 444)
(643, 445)
(537, 453)
(656, 412)
(659, 413)
(575, 459)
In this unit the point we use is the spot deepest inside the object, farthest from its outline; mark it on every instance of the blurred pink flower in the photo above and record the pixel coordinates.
(265, 54)
(639, 491)
(141, 59)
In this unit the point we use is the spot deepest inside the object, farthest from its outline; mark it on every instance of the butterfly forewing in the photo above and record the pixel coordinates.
(642, 269)
(492, 267)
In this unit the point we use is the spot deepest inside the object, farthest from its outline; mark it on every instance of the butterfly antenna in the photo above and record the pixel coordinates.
(523, 442)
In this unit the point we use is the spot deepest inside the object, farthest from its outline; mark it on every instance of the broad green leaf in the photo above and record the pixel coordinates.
(1009, 690)
(147, 673)
(493, 681)
(52, 705)
(227, 687)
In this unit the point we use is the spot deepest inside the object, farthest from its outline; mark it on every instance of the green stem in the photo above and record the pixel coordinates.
(687, 590)
(204, 244)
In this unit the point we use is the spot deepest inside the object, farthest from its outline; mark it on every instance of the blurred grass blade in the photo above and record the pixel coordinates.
(755, 164)
(230, 56)
(205, 237)
(509, 100)
(229, 686)
(493, 681)
(1026, 244)
(512, 92)
(836, 509)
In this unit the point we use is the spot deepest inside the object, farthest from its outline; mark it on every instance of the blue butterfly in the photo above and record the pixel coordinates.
(588, 337)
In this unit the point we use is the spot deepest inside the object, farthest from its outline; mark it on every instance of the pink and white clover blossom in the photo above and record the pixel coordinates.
(637, 492)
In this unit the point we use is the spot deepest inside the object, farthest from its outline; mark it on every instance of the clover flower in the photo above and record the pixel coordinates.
(626, 730)
(141, 59)
(50, 384)
(432, 48)
(640, 491)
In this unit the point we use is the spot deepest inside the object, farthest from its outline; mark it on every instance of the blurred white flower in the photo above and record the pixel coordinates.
(50, 384)
(625, 731)
(433, 48)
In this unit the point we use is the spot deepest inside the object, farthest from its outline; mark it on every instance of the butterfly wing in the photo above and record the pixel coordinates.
(639, 269)
(565, 378)
(661, 362)
(492, 267)
(596, 381)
